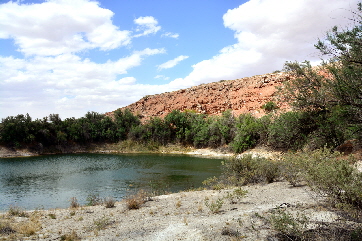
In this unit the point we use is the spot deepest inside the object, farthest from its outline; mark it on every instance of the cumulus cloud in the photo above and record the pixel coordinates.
(57, 27)
(269, 33)
(53, 77)
(127, 80)
(147, 25)
(68, 84)
(172, 63)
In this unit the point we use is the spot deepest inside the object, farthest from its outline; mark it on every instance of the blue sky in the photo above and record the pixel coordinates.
(73, 56)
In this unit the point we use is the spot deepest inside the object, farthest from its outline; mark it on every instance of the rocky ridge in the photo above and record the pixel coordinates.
(245, 95)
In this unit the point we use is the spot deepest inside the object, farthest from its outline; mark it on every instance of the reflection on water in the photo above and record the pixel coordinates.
(50, 181)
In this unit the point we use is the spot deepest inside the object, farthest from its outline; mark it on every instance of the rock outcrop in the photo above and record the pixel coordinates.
(246, 95)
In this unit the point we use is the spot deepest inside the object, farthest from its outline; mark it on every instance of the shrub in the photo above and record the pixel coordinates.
(248, 169)
(269, 106)
(17, 211)
(236, 195)
(93, 200)
(327, 173)
(285, 131)
(135, 201)
(214, 206)
(74, 202)
(70, 237)
(247, 133)
(6, 228)
(101, 223)
(109, 202)
(289, 226)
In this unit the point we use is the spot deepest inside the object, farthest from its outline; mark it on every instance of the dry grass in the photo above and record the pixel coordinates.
(74, 203)
(135, 201)
(70, 237)
(17, 211)
(109, 202)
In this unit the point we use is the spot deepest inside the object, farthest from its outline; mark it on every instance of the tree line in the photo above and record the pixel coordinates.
(326, 101)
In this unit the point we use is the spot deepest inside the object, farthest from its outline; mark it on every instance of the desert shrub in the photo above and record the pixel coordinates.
(214, 183)
(6, 228)
(74, 202)
(269, 106)
(93, 200)
(135, 201)
(236, 195)
(70, 237)
(290, 226)
(214, 206)
(249, 169)
(100, 223)
(109, 202)
(329, 174)
(17, 211)
(230, 232)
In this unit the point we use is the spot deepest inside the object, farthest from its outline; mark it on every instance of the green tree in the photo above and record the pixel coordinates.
(124, 120)
(248, 129)
(334, 86)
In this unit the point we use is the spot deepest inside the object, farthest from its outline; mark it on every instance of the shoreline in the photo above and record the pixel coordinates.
(173, 150)
(176, 216)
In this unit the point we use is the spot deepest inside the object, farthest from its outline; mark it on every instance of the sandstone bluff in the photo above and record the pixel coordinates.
(245, 95)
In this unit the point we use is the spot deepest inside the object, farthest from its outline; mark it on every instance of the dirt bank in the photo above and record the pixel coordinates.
(179, 216)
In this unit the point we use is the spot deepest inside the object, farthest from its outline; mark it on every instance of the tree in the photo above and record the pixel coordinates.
(124, 120)
(337, 83)
(339, 80)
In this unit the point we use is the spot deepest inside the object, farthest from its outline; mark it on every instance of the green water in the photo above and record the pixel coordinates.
(51, 181)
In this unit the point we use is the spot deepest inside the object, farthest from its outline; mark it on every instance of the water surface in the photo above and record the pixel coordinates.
(51, 181)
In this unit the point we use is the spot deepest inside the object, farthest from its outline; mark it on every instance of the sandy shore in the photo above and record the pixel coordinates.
(178, 216)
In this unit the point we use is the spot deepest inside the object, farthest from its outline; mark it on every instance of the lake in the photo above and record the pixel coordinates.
(51, 181)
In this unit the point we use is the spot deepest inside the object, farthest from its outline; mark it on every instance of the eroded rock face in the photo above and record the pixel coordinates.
(245, 95)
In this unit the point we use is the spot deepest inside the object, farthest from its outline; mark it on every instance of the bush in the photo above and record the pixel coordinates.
(248, 169)
(269, 106)
(248, 130)
(286, 131)
(93, 200)
(74, 203)
(214, 206)
(109, 202)
(289, 226)
(6, 228)
(328, 174)
(17, 211)
(135, 201)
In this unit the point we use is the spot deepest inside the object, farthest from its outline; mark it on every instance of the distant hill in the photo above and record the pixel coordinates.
(245, 95)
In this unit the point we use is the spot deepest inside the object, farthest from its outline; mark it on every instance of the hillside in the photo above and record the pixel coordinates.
(245, 95)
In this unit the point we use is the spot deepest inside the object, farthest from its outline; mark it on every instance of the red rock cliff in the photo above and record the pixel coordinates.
(245, 95)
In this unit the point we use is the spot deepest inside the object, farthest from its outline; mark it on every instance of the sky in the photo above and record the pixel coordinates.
(69, 57)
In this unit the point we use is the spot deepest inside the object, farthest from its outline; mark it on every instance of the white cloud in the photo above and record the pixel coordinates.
(70, 85)
(170, 35)
(53, 79)
(57, 27)
(172, 63)
(268, 33)
(147, 25)
(162, 77)
(127, 80)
